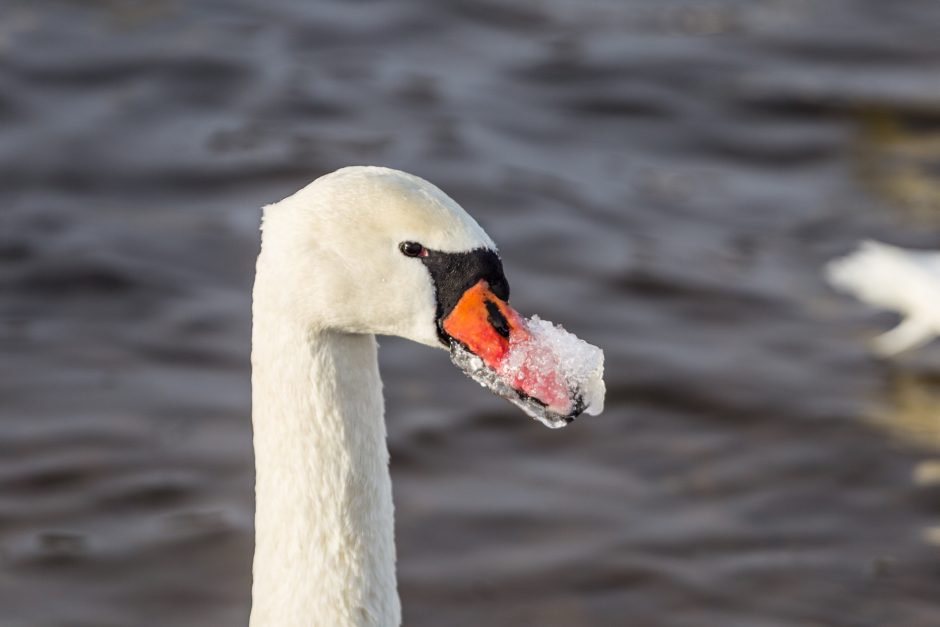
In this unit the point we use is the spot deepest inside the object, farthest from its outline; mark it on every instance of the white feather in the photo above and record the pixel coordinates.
(897, 279)
(330, 276)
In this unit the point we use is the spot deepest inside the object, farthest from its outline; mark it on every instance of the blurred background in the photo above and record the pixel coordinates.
(665, 178)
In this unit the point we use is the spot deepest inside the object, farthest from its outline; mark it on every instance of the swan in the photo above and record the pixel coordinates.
(899, 279)
(360, 252)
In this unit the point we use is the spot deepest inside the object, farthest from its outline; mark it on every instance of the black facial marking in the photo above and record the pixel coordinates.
(497, 319)
(455, 273)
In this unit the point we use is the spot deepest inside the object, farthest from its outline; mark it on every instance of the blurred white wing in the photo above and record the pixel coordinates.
(897, 279)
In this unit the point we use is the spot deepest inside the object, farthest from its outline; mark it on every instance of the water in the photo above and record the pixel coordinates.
(665, 179)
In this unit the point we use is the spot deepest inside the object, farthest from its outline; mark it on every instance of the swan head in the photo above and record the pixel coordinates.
(377, 251)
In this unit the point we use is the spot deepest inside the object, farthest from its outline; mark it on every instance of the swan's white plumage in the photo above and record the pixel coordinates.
(329, 277)
(897, 279)
(335, 243)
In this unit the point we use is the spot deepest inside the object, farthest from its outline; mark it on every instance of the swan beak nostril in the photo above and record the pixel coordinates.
(485, 324)
(497, 319)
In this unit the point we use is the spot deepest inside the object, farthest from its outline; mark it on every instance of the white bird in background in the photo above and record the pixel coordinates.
(359, 252)
(898, 279)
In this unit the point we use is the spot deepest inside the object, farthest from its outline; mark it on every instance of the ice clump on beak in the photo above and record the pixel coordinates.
(551, 355)
(548, 372)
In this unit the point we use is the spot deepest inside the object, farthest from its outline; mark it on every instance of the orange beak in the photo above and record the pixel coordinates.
(490, 329)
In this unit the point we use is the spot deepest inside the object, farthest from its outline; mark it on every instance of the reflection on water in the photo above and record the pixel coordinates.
(927, 472)
(916, 419)
(915, 414)
(900, 159)
(932, 535)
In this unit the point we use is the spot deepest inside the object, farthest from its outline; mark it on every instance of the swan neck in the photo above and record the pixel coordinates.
(324, 530)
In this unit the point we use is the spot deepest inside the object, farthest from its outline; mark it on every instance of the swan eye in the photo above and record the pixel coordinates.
(413, 249)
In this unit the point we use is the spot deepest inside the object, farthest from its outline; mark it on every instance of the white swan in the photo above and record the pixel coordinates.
(898, 279)
(358, 252)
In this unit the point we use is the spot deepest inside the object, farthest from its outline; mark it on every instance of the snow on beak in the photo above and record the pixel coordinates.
(552, 375)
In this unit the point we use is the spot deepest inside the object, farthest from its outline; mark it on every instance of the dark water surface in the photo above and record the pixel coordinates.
(665, 178)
